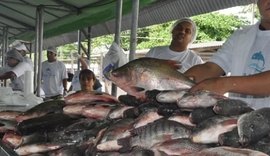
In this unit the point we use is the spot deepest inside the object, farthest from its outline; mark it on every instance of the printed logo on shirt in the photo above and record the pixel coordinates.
(256, 65)
(48, 72)
(257, 62)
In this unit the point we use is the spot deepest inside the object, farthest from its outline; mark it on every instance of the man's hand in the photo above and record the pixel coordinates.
(216, 85)
(65, 92)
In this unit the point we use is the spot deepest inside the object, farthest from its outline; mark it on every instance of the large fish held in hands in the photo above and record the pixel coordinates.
(144, 74)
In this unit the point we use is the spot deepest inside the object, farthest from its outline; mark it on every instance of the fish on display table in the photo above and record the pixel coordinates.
(199, 99)
(85, 97)
(253, 126)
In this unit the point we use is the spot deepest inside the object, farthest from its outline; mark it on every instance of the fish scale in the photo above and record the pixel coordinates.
(158, 131)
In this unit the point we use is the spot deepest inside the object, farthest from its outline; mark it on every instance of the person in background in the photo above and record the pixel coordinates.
(241, 67)
(75, 83)
(184, 32)
(23, 50)
(15, 70)
(87, 80)
(53, 76)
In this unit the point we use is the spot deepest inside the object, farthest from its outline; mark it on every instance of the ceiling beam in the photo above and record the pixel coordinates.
(17, 21)
(68, 6)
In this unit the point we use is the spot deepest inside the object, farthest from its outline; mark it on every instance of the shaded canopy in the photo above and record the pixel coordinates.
(63, 17)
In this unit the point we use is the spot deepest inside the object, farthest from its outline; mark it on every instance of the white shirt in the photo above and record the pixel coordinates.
(28, 60)
(52, 75)
(19, 70)
(187, 58)
(246, 52)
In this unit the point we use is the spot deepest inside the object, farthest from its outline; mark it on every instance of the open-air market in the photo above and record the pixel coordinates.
(140, 77)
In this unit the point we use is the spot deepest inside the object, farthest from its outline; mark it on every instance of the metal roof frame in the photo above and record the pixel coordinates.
(62, 18)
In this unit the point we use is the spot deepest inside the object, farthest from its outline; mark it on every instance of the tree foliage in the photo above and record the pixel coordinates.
(216, 27)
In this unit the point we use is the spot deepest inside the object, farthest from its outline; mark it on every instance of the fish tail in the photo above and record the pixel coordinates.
(125, 143)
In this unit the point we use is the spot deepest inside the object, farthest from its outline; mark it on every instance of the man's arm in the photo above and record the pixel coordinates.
(8, 75)
(258, 84)
(84, 64)
(204, 71)
(65, 84)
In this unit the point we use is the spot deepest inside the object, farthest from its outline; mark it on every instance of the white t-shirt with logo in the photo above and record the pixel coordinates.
(52, 75)
(246, 52)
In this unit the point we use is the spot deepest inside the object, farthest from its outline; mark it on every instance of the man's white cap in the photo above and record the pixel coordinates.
(52, 49)
(21, 47)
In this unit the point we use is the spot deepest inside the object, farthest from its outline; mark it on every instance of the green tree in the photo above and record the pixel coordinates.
(216, 27)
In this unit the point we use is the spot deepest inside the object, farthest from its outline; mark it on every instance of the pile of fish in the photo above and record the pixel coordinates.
(154, 119)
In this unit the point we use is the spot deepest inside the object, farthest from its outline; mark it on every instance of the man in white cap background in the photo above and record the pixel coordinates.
(23, 50)
(54, 76)
(15, 70)
(184, 33)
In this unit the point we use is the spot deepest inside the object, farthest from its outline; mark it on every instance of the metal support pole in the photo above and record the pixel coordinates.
(117, 37)
(134, 26)
(118, 22)
(5, 45)
(89, 40)
(4, 50)
(79, 47)
(39, 44)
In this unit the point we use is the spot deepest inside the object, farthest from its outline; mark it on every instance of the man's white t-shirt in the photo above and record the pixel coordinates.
(19, 70)
(28, 60)
(187, 58)
(52, 77)
(246, 52)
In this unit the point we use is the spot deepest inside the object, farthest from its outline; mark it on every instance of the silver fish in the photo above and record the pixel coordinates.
(227, 151)
(170, 96)
(230, 107)
(39, 148)
(199, 99)
(84, 97)
(179, 147)
(144, 74)
(253, 126)
(209, 130)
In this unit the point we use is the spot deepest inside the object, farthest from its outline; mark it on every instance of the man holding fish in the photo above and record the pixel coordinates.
(184, 33)
(245, 57)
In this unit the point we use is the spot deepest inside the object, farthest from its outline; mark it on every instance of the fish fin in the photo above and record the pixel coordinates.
(129, 100)
(131, 113)
(137, 131)
(174, 64)
(144, 152)
(229, 122)
(125, 143)
(138, 89)
(97, 93)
